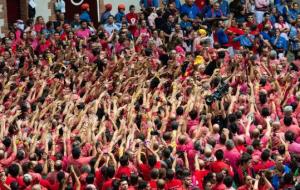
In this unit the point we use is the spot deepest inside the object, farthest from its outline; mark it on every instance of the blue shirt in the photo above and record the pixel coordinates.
(119, 17)
(276, 2)
(293, 14)
(191, 11)
(280, 8)
(177, 3)
(154, 3)
(275, 178)
(281, 43)
(273, 19)
(244, 40)
(110, 27)
(48, 32)
(265, 35)
(184, 25)
(222, 36)
(293, 32)
(212, 13)
(224, 6)
(85, 16)
(105, 16)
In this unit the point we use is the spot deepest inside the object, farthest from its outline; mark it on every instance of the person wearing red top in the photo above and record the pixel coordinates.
(265, 162)
(39, 24)
(4, 162)
(220, 165)
(109, 175)
(172, 183)
(265, 22)
(124, 169)
(232, 31)
(250, 20)
(154, 178)
(76, 159)
(13, 172)
(248, 185)
(200, 172)
(219, 185)
(145, 169)
(132, 19)
(245, 168)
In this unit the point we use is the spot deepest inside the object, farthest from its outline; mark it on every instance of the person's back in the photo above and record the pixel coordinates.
(219, 165)
(289, 125)
(124, 169)
(85, 16)
(231, 153)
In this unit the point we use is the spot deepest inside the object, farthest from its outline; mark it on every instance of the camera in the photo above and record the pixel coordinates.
(218, 94)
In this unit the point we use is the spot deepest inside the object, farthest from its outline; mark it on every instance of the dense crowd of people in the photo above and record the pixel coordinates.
(199, 95)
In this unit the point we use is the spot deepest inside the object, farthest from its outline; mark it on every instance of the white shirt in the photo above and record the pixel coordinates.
(32, 3)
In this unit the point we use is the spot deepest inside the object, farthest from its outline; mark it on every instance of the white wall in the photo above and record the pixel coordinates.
(1, 22)
(42, 9)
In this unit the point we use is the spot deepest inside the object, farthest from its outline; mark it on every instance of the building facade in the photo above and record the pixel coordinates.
(12, 10)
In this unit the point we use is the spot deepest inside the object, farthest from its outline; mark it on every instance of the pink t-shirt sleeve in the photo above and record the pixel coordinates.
(84, 160)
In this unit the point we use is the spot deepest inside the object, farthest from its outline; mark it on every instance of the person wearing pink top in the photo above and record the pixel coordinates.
(232, 154)
(288, 126)
(78, 160)
(4, 162)
(39, 24)
(139, 105)
(293, 146)
(83, 32)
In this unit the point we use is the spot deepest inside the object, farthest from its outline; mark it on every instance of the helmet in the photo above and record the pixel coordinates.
(121, 6)
(202, 32)
(108, 6)
(85, 6)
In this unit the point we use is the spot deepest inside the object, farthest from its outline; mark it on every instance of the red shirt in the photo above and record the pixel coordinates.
(153, 184)
(99, 178)
(219, 166)
(241, 148)
(221, 186)
(173, 184)
(200, 4)
(199, 176)
(244, 187)
(146, 170)
(8, 181)
(263, 165)
(107, 184)
(132, 19)
(123, 170)
(294, 128)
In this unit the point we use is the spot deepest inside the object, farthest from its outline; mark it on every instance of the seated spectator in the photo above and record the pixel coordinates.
(190, 9)
(110, 26)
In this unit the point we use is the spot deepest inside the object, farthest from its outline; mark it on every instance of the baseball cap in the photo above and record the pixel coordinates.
(198, 60)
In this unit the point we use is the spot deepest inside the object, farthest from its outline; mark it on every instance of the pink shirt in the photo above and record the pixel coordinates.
(9, 160)
(80, 161)
(232, 156)
(294, 148)
(294, 128)
(83, 33)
